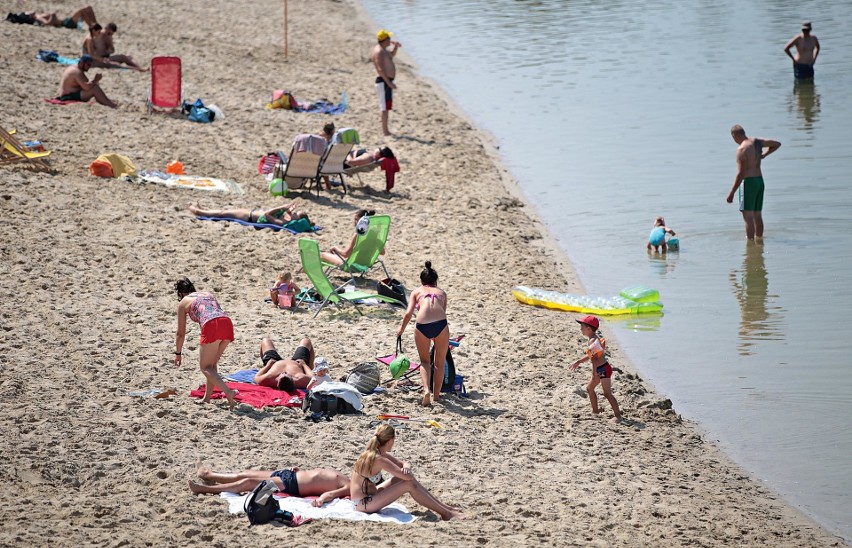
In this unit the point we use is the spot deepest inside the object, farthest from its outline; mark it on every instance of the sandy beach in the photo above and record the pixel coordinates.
(89, 314)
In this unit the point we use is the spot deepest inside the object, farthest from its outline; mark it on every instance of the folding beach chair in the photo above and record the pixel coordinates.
(368, 247)
(332, 162)
(300, 171)
(165, 84)
(13, 151)
(312, 265)
(410, 380)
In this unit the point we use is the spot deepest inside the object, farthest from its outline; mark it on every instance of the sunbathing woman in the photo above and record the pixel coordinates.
(276, 216)
(326, 484)
(217, 332)
(362, 157)
(370, 493)
(337, 255)
(429, 302)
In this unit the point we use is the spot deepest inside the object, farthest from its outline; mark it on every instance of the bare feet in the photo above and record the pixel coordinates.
(203, 472)
(195, 488)
(193, 208)
(426, 401)
(618, 420)
(231, 401)
(452, 516)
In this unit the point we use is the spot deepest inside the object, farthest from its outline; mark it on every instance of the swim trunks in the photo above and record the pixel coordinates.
(604, 371)
(217, 329)
(69, 23)
(802, 71)
(385, 93)
(302, 353)
(270, 355)
(75, 96)
(751, 198)
(658, 236)
(288, 478)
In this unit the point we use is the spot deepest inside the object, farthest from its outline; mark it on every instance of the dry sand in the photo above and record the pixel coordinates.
(88, 315)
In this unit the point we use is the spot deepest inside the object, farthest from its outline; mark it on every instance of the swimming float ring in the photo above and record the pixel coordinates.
(632, 300)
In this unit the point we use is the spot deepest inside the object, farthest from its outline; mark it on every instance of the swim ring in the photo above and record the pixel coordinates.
(631, 300)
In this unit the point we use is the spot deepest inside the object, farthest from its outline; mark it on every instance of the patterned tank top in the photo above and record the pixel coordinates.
(204, 308)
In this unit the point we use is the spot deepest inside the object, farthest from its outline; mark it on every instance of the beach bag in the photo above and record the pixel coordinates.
(453, 382)
(261, 507)
(299, 225)
(393, 288)
(283, 99)
(400, 363)
(325, 406)
(101, 168)
(201, 115)
(364, 377)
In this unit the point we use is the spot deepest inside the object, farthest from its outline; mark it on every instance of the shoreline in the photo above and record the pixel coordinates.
(523, 454)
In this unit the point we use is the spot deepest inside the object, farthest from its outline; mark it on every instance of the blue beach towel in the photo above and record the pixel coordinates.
(246, 376)
(325, 107)
(52, 57)
(258, 226)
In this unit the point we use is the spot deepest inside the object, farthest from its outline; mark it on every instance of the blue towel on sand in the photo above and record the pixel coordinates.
(324, 107)
(255, 225)
(246, 375)
(52, 57)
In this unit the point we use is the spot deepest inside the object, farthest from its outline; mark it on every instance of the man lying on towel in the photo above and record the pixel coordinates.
(282, 374)
(321, 482)
(75, 85)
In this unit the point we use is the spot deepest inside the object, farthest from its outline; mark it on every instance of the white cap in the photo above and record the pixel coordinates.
(320, 363)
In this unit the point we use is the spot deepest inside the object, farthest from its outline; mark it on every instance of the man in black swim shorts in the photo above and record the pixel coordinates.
(322, 482)
(283, 374)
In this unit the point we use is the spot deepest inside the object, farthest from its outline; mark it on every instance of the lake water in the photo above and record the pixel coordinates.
(615, 112)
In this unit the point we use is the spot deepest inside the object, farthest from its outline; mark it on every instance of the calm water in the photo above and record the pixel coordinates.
(620, 111)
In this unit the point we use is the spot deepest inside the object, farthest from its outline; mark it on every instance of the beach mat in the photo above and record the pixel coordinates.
(257, 226)
(336, 509)
(185, 181)
(49, 56)
(246, 376)
(254, 395)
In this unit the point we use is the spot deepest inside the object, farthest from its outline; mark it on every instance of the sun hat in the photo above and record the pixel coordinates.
(591, 321)
(320, 364)
(383, 35)
(806, 25)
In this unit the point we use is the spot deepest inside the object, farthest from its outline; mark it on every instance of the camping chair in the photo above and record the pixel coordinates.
(368, 247)
(332, 162)
(13, 151)
(312, 265)
(300, 170)
(165, 84)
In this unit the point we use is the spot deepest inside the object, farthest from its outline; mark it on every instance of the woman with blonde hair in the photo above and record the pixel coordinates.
(370, 492)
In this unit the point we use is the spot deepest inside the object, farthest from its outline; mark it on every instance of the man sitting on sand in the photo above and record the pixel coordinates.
(103, 50)
(51, 19)
(75, 86)
(324, 483)
(282, 374)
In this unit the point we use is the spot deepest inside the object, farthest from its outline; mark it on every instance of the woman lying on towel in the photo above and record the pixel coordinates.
(319, 482)
(337, 255)
(370, 492)
(278, 216)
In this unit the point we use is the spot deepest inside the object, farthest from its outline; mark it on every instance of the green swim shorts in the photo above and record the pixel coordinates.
(751, 197)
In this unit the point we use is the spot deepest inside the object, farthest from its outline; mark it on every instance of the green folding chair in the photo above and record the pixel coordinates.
(368, 248)
(312, 265)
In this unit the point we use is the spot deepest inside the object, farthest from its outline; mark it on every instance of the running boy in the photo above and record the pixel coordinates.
(601, 370)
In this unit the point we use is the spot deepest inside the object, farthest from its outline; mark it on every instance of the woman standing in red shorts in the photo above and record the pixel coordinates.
(217, 332)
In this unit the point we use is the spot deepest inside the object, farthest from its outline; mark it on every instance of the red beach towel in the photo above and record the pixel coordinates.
(254, 395)
(391, 167)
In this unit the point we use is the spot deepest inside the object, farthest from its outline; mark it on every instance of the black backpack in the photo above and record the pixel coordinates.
(261, 506)
(325, 406)
(449, 371)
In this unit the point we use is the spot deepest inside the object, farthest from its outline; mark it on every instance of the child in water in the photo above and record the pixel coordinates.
(283, 293)
(601, 370)
(657, 239)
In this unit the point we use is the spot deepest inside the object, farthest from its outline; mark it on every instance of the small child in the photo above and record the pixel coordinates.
(284, 292)
(601, 370)
(658, 235)
(321, 374)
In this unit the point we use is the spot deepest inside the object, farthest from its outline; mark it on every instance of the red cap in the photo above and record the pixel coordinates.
(591, 321)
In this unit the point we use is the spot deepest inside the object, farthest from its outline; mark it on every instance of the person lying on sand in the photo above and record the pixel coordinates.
(370, 492)
(286, 374)
(278, 216)
(50, 19)
(76, 86)
(321, 482)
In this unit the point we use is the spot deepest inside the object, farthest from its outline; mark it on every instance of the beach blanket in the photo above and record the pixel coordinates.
(323, 106)
(336, 509)
(246, 376)
(258, 226)
(49, 56)
(57, 101)
(254, 395)
(185, 181)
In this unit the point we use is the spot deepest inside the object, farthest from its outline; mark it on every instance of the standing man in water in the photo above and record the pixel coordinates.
(382, 59)
(807, 50)
(749, 155)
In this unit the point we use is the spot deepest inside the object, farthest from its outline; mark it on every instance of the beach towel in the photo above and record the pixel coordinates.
(308, 142)
(323, 106)
(342, 390)
(258, 226)
(57, 101)
(391, 167)
(246, 376)
(185, 181)
(49, 56)
(112, 164)
(336, 509)
(254, 395)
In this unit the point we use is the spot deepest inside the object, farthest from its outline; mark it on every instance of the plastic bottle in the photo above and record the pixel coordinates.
(175, 168)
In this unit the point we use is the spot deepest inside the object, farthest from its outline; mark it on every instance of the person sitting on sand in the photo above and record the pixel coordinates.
(283, 293)
(362, 157)
(320, 482)
(370, 492)
(657, 238)
(286, 375)
(337, 255)
(429, 302)
(103, 49)
(75, 85)
(50, 19)
(278, 216)
(217, 332)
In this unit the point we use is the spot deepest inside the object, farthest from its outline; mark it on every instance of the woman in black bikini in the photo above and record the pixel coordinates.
(429, 302)
(370, 493)
(276, 216)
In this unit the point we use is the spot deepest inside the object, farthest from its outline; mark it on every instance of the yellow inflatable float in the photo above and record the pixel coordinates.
(632, 300)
